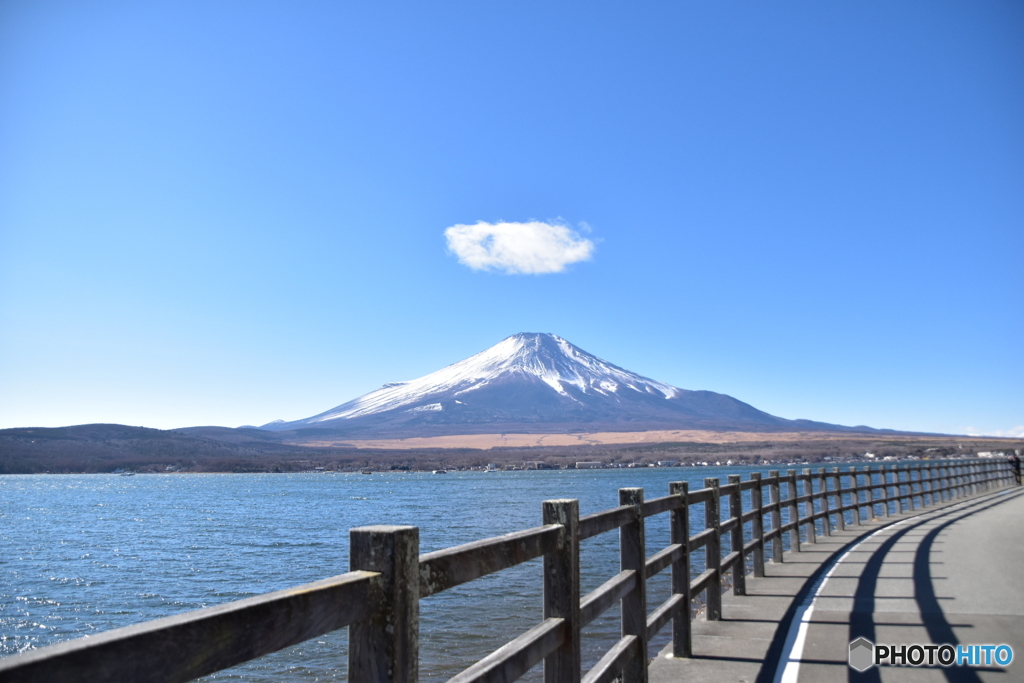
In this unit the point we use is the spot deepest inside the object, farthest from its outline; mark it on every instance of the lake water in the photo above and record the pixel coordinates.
(87, 553)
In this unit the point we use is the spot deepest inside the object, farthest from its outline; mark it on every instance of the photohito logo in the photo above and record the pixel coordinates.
(864, 654)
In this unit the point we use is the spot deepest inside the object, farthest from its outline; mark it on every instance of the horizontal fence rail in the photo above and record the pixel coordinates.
(379, 599)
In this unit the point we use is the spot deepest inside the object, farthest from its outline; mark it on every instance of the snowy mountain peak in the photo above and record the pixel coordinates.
(562, 366)
(558, 363)
(532, 382)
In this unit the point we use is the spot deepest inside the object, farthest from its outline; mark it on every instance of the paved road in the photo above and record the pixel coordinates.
(952, 574)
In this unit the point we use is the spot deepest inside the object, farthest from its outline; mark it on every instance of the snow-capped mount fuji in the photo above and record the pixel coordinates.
(541, 383)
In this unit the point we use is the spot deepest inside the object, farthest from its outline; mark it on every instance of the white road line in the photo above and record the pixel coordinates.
(789, 663)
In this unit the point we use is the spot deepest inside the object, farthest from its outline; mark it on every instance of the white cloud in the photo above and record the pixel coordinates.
(532, 248)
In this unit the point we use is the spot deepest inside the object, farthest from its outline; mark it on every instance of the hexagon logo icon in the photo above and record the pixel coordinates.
(862, 654)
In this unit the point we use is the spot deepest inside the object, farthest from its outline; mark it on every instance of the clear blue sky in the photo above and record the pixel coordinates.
(232, 212)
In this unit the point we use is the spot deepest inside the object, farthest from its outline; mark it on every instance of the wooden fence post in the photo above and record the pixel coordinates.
(913, 494)
(562, 590)
(837, 486)
(812, 530)
(713, 551)
(682, 640)
(794, 512)
(633, 555)
(757, 530)
(774, 497)
(856, 496)
(826, 520)
(869, 479)
(915, 488)
(739, 570)
(925, 498)
(924, 474)
(885, 489)
(904, 502)
(384, 647)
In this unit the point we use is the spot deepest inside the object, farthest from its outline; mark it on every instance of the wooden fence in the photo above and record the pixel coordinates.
(379, 599)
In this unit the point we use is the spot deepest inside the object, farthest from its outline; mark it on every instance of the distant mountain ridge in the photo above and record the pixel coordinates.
(539, 382)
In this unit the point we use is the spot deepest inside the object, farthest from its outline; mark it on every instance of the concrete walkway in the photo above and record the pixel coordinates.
(948, 574)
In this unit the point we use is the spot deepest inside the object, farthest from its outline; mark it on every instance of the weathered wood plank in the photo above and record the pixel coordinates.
(855, 492)
(700, 496)
(749, 515)
(699, 540)
(757, 524)
(700, 583)
(869, 476)
(383, 646)
(826, 502)
(656, 506)
(837, 491)
(728, 489)
(885, 489)
(682, 645)
(774, 507)
(809, 512)
(739, 574)
(562, 591)
(794, 512)
(608, 667)
(663, 558)
(599, 600)
(186, 646)
(599, 522)
(515, 658)
(729, 560)
(713, 552)
(444, 569)
(664, 614)
(632, 555)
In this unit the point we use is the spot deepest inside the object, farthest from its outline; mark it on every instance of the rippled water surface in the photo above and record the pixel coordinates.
(87, 553)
